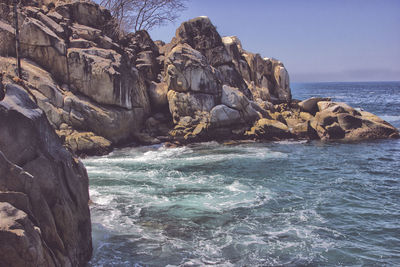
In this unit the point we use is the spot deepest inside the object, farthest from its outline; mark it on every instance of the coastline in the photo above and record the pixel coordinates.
(86, 88)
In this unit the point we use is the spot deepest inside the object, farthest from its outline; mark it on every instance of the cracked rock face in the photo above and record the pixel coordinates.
(81, 74)
(44, 213)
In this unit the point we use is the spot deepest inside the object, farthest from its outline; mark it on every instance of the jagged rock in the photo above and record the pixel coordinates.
(260, 94)
(202, 36)
(230, 76)
(269, 74)
(51, 188)
(85, 32)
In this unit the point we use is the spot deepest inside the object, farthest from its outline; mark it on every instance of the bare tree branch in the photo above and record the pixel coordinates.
(135, 15)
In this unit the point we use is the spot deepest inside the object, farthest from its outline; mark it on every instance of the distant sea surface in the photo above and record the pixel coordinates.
(289, 203)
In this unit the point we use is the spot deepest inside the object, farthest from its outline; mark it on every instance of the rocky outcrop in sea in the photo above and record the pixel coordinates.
(85, 89)
(101, 89)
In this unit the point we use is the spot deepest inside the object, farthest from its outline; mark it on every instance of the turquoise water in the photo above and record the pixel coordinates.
(284, 203)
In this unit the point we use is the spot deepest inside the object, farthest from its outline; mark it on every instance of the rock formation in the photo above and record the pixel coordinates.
(87, 87)
(44, 213)
(77, 69)
(100, 89)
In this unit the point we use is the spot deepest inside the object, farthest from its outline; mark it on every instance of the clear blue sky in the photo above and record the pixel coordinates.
(317, 40)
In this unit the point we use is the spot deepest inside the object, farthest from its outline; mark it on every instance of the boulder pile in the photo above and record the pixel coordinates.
(99, 88)
(86, 88)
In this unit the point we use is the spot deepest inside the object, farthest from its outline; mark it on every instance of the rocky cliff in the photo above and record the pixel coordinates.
(44, 213)
(100, 89)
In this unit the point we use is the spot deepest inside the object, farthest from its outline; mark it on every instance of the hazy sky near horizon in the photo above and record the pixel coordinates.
(317, 40)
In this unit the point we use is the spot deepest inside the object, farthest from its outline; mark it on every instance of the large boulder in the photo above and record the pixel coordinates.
(311, 105)
(337, 120)
(86, 13)
(267, 129)
(233, 98)
(222, 115)
(84, 143)
(44, 215)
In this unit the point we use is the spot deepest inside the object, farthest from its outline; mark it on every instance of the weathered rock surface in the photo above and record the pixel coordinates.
(108, 88)
(44, 213)
(340, 121)
(86, 68)
(269, 130)
(84, 142)
(222, 115)
(311, 105)
(98, 89)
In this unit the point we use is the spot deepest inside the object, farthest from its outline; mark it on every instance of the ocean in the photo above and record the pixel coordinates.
(288, 203)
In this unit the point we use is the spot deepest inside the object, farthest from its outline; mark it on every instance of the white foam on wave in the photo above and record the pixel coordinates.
(237, 187)
(152, 156)
(291, 142)
(243, 153)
